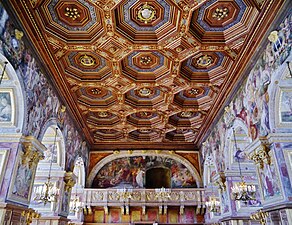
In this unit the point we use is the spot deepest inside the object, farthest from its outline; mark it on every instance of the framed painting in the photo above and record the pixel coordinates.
(6, 107)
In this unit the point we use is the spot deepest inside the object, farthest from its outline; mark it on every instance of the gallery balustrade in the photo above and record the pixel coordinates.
(147, 197)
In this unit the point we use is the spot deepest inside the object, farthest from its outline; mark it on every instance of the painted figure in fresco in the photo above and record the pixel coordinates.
(22, 181)
(5, 108)
(140, 178)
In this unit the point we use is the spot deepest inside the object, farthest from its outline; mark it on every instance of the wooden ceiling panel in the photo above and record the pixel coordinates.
(145, 71)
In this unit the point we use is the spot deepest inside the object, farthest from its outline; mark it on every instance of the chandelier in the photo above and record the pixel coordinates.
(49, 191)
(212, 204)
(242, 191)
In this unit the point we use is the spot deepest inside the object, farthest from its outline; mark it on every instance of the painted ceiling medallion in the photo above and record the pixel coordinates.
(204, 61)
(146, 13)
(95, 91)
(72, 13)
(193, 91)
(220, 13)
(144, 92)
(87, 60)
(103, 114)
(186, 114)
(145, 60)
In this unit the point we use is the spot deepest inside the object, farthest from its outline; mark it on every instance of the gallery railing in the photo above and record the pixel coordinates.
(146, 197)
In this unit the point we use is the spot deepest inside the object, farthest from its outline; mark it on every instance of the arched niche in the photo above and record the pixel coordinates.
(54, 152)
(188, 167)
(12, 104)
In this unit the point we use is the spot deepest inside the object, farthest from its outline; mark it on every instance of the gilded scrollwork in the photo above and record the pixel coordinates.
(261, 156)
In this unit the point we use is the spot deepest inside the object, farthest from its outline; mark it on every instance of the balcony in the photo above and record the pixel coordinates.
(144, 197)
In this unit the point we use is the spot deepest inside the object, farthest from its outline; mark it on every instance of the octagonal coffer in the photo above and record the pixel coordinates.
(144, 119)
(86, 66)
(72, 20)
(199, 97)
(186, 119)
(95, 97)
(145, 97)
(146, 66)
(107, 135)
(149, 21)
(145, 135)
(102, 118)
(222, 20)
(183, 135)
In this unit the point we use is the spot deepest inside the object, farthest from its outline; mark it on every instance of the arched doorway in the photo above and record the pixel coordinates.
(158, 177)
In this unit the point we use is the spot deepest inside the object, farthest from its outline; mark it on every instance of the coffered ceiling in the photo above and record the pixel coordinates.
(136, 71)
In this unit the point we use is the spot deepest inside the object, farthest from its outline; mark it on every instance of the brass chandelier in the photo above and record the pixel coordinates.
(48, 192)
(242, 191)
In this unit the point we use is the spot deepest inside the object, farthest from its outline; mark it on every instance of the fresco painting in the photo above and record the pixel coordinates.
(286, 107)
(43, 103)
(23, 180)
(129, 172)
(5, 107)
(269, 182)
(250, 105)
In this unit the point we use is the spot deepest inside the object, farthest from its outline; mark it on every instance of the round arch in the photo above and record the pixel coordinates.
(112, 157)
(12, 95)
(48, 139)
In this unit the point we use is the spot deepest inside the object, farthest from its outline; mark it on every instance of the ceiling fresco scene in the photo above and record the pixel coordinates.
(145, 71)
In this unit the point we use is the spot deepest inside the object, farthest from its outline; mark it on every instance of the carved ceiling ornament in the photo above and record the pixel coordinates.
(186, 114)
(204, 61)
(72, 13)
(220, 13)
(103, 114)
(95, 91)
(145, 92)
(144, 114)
(146, 13)
(145, 60)
(194, 91)
(87, 60)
